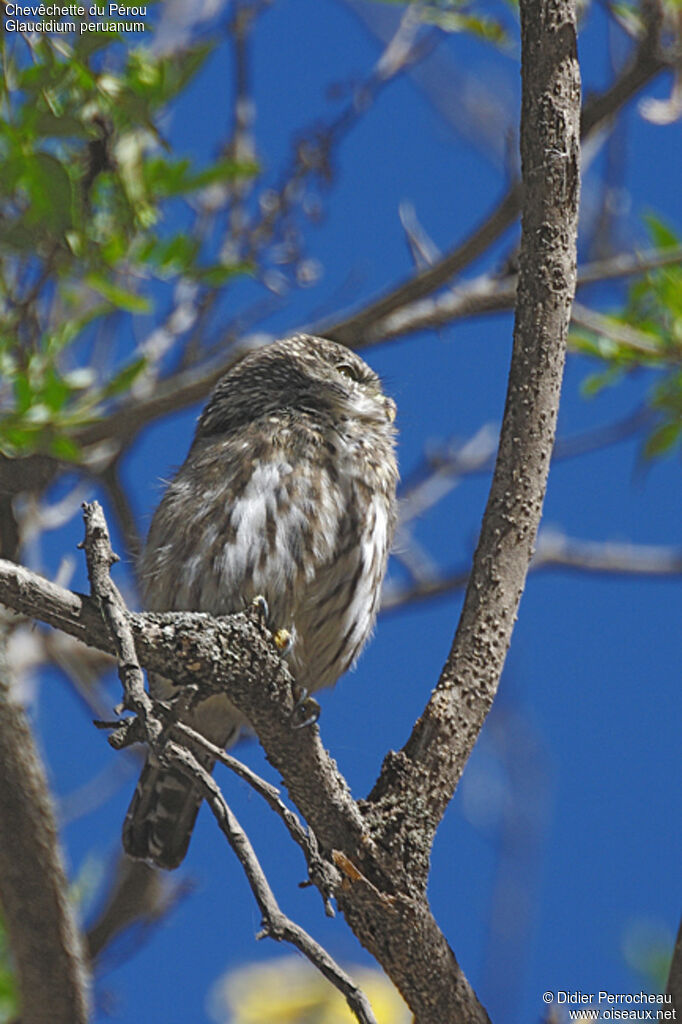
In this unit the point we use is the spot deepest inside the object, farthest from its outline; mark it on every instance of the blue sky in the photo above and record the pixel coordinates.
(571, 801)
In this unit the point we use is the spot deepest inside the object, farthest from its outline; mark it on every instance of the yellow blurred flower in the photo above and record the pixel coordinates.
(290, 991)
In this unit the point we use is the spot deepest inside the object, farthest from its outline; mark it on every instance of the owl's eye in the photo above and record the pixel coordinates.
(348, 371)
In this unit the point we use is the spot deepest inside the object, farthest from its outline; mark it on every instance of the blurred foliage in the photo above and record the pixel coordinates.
(9, 1003)
(654, 310)
(86, 179)
(460, 16)
(647, 948)
(290, 991)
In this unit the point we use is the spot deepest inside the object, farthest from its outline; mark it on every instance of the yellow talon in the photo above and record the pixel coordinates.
(282, 640)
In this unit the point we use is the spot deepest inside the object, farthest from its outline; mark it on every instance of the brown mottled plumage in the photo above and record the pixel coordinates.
(288, 491)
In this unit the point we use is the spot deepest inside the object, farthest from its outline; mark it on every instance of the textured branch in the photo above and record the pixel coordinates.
(490, 294)
(276, 925)
(555, 551)
(322, 874)
(100, 558)
(422, 777)
(674, 986)
(235, 655)
(369, 325)
(44, 939)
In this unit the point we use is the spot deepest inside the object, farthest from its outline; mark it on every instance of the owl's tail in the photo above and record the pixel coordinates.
(161, 816)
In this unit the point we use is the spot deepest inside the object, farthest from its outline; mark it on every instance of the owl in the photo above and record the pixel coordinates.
(288, 492)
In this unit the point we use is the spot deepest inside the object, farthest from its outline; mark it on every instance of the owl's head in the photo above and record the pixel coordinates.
(302, 374)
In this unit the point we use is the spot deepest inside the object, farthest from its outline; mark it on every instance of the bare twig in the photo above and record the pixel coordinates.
(276, 925)
(322, 873)
(123, 509)
(367, 326)
(644, 345)
(490, 294)
(556, 551)
(100, 557)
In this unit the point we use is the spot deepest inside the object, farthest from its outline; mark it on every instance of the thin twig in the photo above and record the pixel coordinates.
(276, 925)
(366, 326)
(100, 557)
(491, 294)
(322, 873)
(556, 551)
(644, 345)
(123, 510)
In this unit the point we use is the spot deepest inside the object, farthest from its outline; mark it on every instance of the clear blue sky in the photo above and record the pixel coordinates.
(567, 827)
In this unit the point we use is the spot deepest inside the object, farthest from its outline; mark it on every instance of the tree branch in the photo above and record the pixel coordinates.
(100, 557)
(235, 655)
(276, 925)
(489, 294)
(556, 551)
(422, 777)
(674, 986)
(44, 938)
(322, 873)
(368, 325)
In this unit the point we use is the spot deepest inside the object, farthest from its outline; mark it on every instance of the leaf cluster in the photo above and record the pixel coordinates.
(653, 310)
(86, 182)
(462, 16)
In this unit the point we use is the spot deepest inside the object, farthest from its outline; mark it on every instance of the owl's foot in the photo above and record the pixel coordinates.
(305, 711)
(283, 640)
(261, 605)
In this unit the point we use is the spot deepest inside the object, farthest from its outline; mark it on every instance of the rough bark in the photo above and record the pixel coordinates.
(382, 847)
(45, 941)
(417, 783)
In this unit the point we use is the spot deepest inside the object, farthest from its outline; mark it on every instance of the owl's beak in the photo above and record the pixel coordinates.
(391, 409)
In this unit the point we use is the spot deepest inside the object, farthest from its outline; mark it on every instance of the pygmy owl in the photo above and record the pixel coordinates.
(288, 492)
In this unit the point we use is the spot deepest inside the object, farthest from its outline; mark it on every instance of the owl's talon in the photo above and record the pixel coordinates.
(261, 605)
(311, 709)
(305, 711)
(283, 640)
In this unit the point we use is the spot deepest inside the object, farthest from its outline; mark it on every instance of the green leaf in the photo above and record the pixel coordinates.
(55, 391)
(662, 236)
(118, 296)
(121, 383)
(46, 124)
(48, 186)
(165, 178)
(218, 275)
(663, 439)
(159, 79)
(23, 392)
(64, 448)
